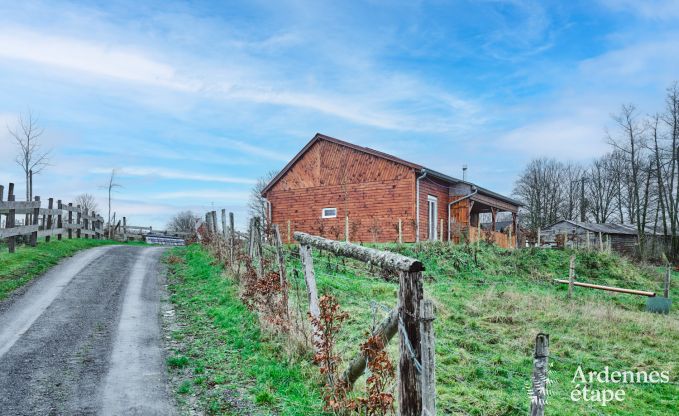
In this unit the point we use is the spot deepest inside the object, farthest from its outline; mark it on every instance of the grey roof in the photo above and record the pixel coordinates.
(482, 190)
(607, 228)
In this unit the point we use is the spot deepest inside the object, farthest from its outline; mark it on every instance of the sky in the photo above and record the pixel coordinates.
(191, 102)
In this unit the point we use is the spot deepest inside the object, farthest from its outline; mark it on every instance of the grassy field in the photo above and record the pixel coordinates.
(490, 305)
(21, 267)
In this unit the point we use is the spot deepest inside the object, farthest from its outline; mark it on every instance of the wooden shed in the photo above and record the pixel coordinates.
(344, 191)
(621, 238)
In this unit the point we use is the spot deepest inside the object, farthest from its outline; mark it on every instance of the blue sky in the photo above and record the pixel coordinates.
(192, 101)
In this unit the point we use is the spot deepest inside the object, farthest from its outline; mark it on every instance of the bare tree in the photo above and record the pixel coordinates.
(257, 205)
(602, 188)
(573, 174)
(111, 186)
(31, 158)
(539, 187)
(184, 221)
(87, 201)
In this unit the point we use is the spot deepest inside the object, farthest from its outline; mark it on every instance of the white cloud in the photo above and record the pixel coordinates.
(651, 9)
(174, 174)
(254, 150)
(89, 57)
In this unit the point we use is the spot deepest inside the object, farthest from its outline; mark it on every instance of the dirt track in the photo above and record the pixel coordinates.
(85, 338)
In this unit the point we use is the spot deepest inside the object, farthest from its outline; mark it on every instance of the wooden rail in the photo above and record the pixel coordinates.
(46, 221)
(608, 288)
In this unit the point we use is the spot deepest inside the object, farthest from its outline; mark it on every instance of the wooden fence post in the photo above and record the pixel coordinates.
(232, 237)
(310, 279)
(478, 233)
(281, 266)
(289, 232)
(400, 231)
(668, 276)
(258, 246)
(125, 229)
(50, 220)
(571, 276)
(539, 377)
(36, 213)
(215, 228)
(601, 242)
(588, 242)
(428, 358)
(538, 242)
(86, 222)
(70, 220)
(346, 228)
(78, 220)
(60, 223)
(11, 218)
(207, 222)
(409, 387)
(224, 223)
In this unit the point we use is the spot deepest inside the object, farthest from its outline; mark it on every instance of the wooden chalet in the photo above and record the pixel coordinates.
(344, 191)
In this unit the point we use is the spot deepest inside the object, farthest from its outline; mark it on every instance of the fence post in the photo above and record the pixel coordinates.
(409, 387)
(215, 228)
(232, 237)
(289, 232)
(224, 223)
(70, 220)
(258, 246)
(50, 220)
(428, 358)
(400, 231)
(668, 275)
(125, 229)
(588, 242)
(346, 228)
(60, 223)
(571, 276)
(78, 220)
(478, 233)
(310, 279)
(538, 242)
(281, 266)
(539, 378)
(601, 242)
(11, 218)
(36, 213)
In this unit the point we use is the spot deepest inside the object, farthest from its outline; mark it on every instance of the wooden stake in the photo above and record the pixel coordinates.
(668, 275)
(78, 222)
(601, 242)
(310, 279)
(281, 266)
(70, 220)
(232, 238)
(539, 378)
(409, 387)
(346, 228)
(34, 234)
(538, 243)
(400, 231)
(588, 242)
(571, 277)
(224, 223)
(60, 223)
(11, 218)
(428, 358)
(50, 205)
(289, 232)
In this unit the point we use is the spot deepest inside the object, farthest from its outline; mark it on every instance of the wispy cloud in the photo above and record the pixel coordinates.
(254, 150)
(165, 173)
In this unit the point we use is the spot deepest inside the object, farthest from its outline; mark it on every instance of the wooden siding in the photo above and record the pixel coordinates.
(438, 189)
(373, 192)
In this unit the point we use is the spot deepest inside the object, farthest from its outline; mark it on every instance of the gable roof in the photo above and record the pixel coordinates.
(382, 155)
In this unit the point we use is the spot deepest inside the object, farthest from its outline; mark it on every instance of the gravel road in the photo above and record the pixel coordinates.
(85, 338)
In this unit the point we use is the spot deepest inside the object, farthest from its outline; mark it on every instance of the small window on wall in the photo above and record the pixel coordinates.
(329, 213)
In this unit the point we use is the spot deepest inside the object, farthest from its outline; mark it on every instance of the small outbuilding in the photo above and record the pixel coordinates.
(621, 238)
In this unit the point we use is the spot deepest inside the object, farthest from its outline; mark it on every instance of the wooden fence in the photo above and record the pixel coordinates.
(54, 220)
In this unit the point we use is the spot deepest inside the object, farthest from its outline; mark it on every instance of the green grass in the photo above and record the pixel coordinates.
(19, 268)
(227, 355)
(490, 302)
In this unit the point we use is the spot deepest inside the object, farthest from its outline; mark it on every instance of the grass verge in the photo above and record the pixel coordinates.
(19, 268)
(221, 362)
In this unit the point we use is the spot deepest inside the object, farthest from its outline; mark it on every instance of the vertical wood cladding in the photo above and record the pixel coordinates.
(372, 191)
(438, 189)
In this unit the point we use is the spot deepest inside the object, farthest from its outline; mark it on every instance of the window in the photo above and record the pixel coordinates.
(432, 203)
(329, 213)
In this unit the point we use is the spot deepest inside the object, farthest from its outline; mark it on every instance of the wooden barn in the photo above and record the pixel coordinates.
(348, 192)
